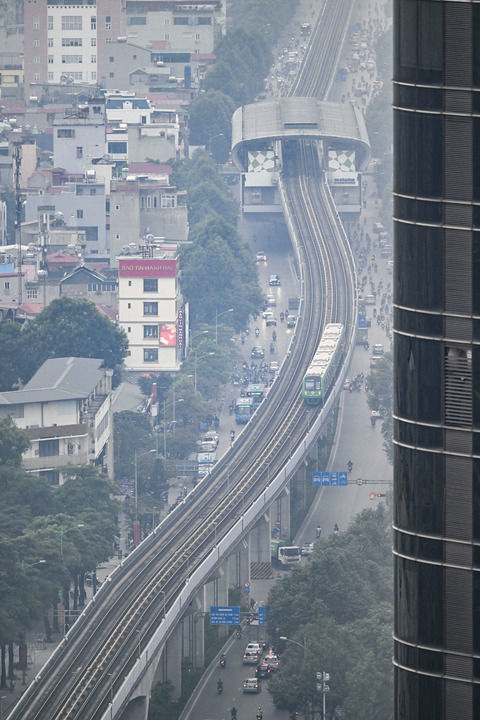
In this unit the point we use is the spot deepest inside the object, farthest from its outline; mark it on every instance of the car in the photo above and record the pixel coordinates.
(212, 436)
(274, 280)
(346, 384)
(253, 647)
(271, 321)
(266, 314)
(251, 685)
(271, 300)
(258, 353)
(261, 257)
(291, 321)
(378, 228)
(378, 349)
(208, 445)
(251, 658)
(306, 549)
(263, 671)
(373, 361)
(272, 660)
(274, 366)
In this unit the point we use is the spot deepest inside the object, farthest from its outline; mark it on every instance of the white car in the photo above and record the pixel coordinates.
(261, 257)
(267, 314)
(271, 300)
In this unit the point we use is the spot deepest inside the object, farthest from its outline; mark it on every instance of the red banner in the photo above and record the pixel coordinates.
(168, 335)
(137, 267)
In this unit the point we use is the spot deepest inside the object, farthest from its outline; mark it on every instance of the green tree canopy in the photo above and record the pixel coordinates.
(13, 443)
(338, 612)
(68, 327)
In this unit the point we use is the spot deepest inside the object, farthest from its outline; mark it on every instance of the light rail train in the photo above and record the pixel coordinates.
(323, 368)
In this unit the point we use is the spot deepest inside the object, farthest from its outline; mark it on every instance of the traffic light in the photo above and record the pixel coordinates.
(374, 496)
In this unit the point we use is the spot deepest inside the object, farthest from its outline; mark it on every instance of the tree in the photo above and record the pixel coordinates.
(380, 397)
(13, 443)
(12, 357)
(75, 328)
(210, 120)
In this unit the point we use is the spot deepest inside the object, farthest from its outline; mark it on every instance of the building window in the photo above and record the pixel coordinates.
(94, 75)
(18, 411)
(48, 448)
(71, 22)
(117, 148)
(129, 283)
(111, 59)
(93, 191)
(150, 331)
(50, 76)
(72, 59)
(36, 23)
(150, 308)
(182, 21)
(204, 21)
(111, 75)
(50, 22)
(50, 42)
(32, 294)
(36, 77)
(150, 355)
(93, 42)
(167, 36)
(167, 201)
(93, 58)
(94, 287)
(36, 60)
(129, 329)
(7, 285)
(79, 151)
(50, 59)
(36, 42)
(150, 285)
(117, 207)
(129, 306)
(72, 42)
(79, 214)
(53, 477)
(108, 22)
(93, 23)
(197, 36)
(137, 20)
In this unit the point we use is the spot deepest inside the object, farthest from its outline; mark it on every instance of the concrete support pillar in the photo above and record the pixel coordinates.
(259, 540)
(281, 513)
(170, 666)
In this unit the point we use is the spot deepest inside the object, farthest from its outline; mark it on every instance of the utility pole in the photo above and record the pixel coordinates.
(322, 680)
(17, 156)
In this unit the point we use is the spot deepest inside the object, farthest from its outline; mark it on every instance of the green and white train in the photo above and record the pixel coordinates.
(322, 371)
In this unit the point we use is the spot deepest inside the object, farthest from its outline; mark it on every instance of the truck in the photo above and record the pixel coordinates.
(284, 555)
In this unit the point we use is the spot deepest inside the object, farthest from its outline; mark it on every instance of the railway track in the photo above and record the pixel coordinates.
(103, 645)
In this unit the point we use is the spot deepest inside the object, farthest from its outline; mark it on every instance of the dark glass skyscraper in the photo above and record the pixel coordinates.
(437, 359)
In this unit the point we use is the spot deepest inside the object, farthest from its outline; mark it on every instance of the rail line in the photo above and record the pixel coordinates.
(102, 646)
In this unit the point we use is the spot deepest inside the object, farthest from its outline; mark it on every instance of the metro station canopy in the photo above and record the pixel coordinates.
(339, 124)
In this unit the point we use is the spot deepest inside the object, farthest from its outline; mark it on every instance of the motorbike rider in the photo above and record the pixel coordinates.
(219, 686)
(233, 713)
(257, 332)
(274, 336)
(336, 529)
(222, 660)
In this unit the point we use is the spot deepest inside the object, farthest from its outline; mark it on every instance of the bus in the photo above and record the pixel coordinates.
(323, 368)
(257, 393)
(243, 410)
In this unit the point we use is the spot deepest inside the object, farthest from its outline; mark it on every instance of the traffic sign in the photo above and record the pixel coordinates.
(246, 588)
(224, 615)
(330, 479)
(262, 613)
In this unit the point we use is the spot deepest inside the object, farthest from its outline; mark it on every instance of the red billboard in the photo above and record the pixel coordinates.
(148, 268)
(168, 335)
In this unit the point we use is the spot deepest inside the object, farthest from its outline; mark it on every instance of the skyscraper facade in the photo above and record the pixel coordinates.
(437, 359)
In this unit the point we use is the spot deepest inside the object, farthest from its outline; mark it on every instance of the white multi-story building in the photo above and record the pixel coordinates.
(65, 410)
(79, 136)
(150, 310)
(66, 42)
(180, 25)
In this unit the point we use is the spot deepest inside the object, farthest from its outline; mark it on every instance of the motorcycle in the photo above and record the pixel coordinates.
(257, 332)
(223, 661)
(219, 687)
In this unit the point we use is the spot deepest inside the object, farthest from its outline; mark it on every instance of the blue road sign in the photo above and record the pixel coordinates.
(262, 614)
(224, 615)
(330, 479)
(362, 321)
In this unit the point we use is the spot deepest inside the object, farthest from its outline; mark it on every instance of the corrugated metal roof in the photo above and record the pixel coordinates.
(58, 379)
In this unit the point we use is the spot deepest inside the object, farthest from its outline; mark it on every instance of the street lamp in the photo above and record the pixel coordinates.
(25, 567)
(217, 315)
(62, 532)
(135, 455)
(209, 354)
(295, 642)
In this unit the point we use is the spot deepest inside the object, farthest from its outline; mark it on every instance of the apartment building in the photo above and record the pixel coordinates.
(65, 410)
(150, 310)
(66, 42)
